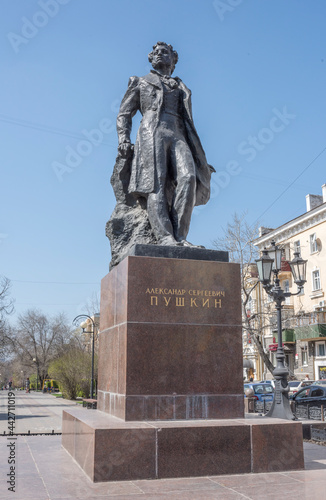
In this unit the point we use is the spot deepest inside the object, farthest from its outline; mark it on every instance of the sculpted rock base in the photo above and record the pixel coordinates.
(126, 227)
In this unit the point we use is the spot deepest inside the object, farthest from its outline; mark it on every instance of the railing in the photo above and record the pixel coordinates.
(313, 318)
(310, 411)
(263, 406)
(252, 405)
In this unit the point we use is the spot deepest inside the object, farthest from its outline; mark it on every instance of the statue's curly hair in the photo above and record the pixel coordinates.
(174, 53)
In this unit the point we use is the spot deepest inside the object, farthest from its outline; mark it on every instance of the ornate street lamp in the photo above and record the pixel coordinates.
(264, 266)
(271, 260)
(298, 269)
(83, 326)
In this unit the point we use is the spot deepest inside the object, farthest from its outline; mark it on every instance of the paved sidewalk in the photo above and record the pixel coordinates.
(44, 470)
(34, 412)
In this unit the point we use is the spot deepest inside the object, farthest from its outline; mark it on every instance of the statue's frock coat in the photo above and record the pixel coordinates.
(146, 95)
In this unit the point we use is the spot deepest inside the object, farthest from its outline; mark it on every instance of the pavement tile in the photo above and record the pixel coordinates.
(26, 487)
(310, 476)
(186, 495)
(81, 487)
(253, 479)
(289, 491)
(27, 469)
(176, 485)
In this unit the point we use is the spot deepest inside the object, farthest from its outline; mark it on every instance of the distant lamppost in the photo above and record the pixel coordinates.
(83, 326)
(35, 361)
(271, 260)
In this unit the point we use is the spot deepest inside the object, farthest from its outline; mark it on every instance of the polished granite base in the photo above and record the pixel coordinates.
(170, 338)
(192, 253)
(109, 449)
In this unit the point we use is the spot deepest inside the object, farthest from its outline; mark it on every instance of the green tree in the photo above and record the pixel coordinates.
(72, 370)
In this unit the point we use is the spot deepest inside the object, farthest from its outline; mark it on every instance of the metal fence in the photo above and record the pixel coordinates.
(310, 411)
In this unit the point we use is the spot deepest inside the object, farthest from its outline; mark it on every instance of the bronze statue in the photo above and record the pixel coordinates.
(165, 174)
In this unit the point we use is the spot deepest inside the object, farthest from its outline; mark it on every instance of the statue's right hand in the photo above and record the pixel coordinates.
(124, 149)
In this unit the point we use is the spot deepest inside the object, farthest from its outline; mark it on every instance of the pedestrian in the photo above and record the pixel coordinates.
(251, 379)
(27, 385)
(10, 383)
(307, 377)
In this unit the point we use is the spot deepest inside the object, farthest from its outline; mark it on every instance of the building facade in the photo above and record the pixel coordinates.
(304, 315)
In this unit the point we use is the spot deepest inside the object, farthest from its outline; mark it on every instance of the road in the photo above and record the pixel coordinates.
(34, 412)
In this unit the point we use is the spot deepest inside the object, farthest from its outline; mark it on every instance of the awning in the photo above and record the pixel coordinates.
(248, 363)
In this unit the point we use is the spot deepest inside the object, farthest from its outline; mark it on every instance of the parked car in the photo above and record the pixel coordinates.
(320, 382)
(271, 382)
(262, 391)
(296, 385)
(293, 386)
(311, 394)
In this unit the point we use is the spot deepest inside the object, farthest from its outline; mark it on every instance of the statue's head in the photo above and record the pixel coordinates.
(163, 55)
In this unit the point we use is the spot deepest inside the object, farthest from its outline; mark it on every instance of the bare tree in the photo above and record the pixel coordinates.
(92, 304)
(238, 241)
(37, 340)
(6, 303)
(6, 308)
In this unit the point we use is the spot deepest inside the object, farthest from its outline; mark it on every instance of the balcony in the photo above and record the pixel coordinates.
(310, 326)
(288, 335)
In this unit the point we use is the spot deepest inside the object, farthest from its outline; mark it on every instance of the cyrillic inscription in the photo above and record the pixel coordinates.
(185, 298)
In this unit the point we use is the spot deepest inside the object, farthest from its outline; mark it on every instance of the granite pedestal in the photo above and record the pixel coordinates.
(171, 340)
(170, 393)
(110, 449)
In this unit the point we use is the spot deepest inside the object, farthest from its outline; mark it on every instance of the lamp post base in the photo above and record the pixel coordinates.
(281, 405)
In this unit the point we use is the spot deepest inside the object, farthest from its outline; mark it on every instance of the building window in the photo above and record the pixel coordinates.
(273, 358)
(315, 280)
(313, 243)
(286, 288)
(297, 247)
(304, 358)
(320, 349)
(286, 252)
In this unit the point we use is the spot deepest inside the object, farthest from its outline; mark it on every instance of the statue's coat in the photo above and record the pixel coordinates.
(146, 95)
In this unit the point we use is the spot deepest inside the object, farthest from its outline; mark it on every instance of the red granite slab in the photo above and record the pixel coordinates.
(170, 339)
(110, 449)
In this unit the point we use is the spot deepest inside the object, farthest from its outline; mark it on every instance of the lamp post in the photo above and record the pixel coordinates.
(76, 321)
(271, 260)
(35, 361)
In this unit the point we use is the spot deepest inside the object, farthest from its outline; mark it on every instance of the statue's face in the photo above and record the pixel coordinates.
(162, 57)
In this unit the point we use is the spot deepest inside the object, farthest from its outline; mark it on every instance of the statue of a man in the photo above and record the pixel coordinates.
(169, 170)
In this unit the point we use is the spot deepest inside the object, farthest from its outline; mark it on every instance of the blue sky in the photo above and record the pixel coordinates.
(257, 71)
